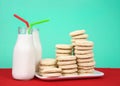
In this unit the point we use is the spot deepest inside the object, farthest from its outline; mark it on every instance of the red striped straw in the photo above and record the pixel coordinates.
(23, 20)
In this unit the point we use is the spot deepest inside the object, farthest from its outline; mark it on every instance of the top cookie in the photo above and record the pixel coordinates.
(84, 43)
(48, 62)
(83, 36)
(64, 46)
(77, 32)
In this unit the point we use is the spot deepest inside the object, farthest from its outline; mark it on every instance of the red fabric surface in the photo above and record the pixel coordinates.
(111, 78)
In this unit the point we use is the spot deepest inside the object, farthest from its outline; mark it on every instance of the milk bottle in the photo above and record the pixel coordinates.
(37, 45)
(23, 56)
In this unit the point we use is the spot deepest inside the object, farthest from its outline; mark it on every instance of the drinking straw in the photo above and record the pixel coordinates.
(21, 19)
(35, 23)
(38, 22)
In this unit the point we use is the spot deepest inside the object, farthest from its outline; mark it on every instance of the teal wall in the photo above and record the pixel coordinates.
(100, 19)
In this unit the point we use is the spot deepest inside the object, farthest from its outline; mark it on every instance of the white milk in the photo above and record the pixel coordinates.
(24, 58)
(37, 45)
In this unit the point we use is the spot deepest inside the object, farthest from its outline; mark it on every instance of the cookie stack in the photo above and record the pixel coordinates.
(67, 64)
(84, 54)
(78, 35)
(51, 72)
(47, 63)
(63, 50)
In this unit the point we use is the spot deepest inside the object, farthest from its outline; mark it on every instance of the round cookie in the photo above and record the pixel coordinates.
(45, 67)
(77, 32)
(60, 51)
(83, 48)
(69, 70)
(83, 52)
(84, 43)
(51, 70)
(51, 75)
(70, 74)
(66, 58)
(85, 60)
(84, 55)
(66, 62)
(87, 64)
(83, 36)
(48, 62)
(86, 71)
(86, 67)
(68, 66)
(64, 46)
(57, 55)
(73, 40)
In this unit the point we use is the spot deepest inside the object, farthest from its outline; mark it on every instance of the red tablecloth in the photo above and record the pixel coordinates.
(111, 78)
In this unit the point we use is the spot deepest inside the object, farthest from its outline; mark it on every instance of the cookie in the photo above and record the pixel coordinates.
(83, 36)
(85, 67)
(77, 32)
(84, 43)
(66, 58)
(51, 75)
(57, 55)
(85, 60)
(70, 74)
(73, 40)
(48, 62)
(83, 48)
(51, 70)
(45, 67)
(64, 46)
(68, 66)
(70, 70)
(86, 71)
(66, 62)
(60, 51)
(83, 52)
(87, 64)
(84, 55)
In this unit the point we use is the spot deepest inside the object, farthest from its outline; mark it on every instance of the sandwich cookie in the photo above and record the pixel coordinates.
(83, 52)
(61, 54)
(77, 32)
(85, 71)
(66, 58)
(48, 62)
(80, 56)
(84, 43)
(51, 72)
(64, 46)
(60, 51)
(66, 62)
(83, 48)
(70, 74)
(69, 71)
(68, 66)
(87, 63)
(83, 36)
(85, 67)
(85, 60)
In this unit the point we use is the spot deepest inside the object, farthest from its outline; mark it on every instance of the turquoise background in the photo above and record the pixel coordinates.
(100, 19)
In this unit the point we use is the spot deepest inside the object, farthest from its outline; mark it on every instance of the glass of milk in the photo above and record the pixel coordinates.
(37, 45)
(24, 56)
